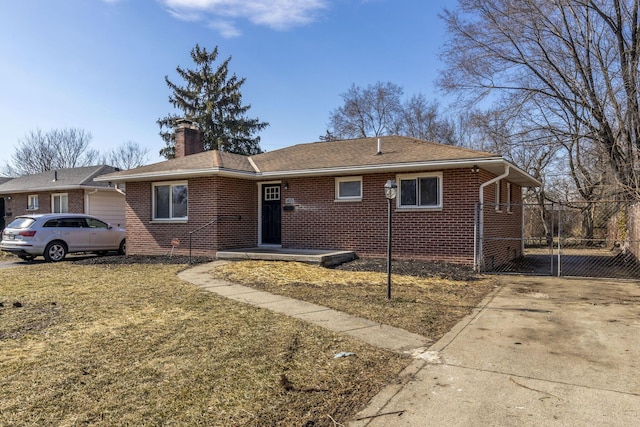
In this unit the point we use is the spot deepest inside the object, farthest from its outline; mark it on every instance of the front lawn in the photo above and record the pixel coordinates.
(113, 345)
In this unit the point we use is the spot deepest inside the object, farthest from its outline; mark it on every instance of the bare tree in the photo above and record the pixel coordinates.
(569, 65)
(129, 155)
(421, 119)
(378, 110)
(57, 149)
(370, 111)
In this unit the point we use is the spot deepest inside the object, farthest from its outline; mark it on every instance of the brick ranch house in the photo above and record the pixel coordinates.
(324, 195)
(65, 190)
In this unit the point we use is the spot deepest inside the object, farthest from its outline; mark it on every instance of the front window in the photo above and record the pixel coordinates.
(170, 200)
(32, 202)
(420, 191)
(59, 203)
(349, 188)
(96, 223)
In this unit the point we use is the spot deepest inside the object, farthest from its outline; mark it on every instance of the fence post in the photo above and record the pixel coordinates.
(559, 239)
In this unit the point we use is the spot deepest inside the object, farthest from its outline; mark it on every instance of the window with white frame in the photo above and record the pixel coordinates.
(509, 197)
(170, 200)
(420, 191)
(272, 193)
(32, 202)
(349, 188)
(59, 203)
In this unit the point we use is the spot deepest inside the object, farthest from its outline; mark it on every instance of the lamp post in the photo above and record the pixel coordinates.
(390, 192)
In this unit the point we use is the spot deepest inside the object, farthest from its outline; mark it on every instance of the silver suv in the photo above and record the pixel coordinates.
(55, 235)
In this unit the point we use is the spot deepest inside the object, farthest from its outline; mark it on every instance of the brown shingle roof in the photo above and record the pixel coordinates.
(343, 157)
(64, 179)
(205, 161)
(361, 152)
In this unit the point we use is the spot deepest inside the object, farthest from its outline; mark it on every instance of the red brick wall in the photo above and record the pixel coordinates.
(208, 198)
(321, 223)
(502, 228)
(19, 202)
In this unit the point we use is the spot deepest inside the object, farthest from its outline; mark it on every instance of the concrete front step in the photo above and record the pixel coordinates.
(326, 258)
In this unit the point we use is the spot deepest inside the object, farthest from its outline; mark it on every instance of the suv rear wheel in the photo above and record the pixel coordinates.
(55, 251)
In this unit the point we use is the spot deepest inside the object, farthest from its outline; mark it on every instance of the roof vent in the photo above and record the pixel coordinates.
(55, 176)
(379, 147)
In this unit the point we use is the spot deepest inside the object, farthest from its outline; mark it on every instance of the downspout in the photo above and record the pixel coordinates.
(478, 254)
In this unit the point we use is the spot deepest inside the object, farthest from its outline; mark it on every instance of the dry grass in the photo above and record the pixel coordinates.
(426, 306)
(114, 345)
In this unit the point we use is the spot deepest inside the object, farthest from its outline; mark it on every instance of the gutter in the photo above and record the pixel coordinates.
(479, 228)
(260, 175)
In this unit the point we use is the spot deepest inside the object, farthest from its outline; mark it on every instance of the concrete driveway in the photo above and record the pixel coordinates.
(539, 351)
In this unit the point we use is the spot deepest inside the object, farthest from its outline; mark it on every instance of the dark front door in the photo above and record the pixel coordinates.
(271, 214)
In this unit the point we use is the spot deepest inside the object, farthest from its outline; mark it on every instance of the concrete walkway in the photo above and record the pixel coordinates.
(538, 351)
(373, 333)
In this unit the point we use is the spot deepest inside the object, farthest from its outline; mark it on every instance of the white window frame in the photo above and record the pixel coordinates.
(272, 193)
(171, 185)
(339, 197)
(62, 196)
(417, 176)
(509, 197)
(32, 202)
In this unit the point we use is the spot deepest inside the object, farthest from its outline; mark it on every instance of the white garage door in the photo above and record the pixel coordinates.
(108, 206)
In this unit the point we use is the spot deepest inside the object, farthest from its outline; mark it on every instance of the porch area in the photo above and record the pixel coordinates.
(325, 258)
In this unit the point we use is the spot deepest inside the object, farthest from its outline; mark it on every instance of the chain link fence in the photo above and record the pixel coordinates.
(599, 239)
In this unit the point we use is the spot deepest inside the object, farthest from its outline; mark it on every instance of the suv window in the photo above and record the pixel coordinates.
(21, 222)
(66, 222)
(94, 223)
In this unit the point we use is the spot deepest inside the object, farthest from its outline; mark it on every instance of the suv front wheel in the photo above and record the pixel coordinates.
(55, 251)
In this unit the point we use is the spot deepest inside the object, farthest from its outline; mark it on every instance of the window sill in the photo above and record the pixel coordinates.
(169, 221)
(358, 199)
(419, 209)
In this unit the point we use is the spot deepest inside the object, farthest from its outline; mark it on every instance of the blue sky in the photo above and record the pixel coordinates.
(100, 64)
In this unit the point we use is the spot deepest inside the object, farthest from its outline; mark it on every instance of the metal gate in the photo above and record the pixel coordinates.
(598, 239)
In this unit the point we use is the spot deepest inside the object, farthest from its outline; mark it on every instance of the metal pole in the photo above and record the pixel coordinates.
(560, 209)
(389, 253)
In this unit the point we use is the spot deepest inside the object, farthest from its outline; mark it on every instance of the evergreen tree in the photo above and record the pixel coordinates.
(213, 100)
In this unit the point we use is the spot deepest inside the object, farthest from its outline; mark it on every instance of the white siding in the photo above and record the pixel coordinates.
(106, 205)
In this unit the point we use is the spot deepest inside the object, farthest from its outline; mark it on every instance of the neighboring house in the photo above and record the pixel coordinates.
(324, 195)
(2, 220)
(64, 190)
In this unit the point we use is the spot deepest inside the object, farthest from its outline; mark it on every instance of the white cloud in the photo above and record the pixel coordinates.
(225, 28)
(223, 14)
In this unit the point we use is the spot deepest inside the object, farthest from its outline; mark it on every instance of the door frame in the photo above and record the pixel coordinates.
(260, 189)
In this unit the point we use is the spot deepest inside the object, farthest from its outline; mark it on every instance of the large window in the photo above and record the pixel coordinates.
(420, 191)
(59, 203)
(32, 202)
(349, 188)
(170, 201)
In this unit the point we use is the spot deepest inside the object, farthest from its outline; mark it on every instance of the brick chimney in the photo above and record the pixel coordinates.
(188, 139)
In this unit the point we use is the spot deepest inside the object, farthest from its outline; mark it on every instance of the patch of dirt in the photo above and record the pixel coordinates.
(426, 269)
(143, 259)
(416, 268)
